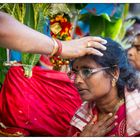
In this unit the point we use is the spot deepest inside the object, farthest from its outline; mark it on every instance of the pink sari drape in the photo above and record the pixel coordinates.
(128, 116)
(78, 121)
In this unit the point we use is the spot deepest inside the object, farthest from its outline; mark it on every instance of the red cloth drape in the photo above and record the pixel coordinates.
(43, 104)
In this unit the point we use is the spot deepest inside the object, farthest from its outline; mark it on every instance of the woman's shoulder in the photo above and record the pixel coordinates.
(82, 116)
(132, 102)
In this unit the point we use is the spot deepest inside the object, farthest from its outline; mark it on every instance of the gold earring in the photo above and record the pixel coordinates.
(113, 82)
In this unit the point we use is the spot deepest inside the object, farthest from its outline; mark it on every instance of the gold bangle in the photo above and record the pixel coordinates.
(55, 47)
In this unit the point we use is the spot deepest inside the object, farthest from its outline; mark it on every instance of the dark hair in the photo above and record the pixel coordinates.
(115, 55)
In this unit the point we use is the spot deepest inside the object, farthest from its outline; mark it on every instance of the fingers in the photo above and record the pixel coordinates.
(93, 51)
(107, 123)
(91, 123)
(107, 117)
(96, 45)
(100, 128)
(108, 129)
(93, 120)
(97, 39)
(91, 48)
(110, 121)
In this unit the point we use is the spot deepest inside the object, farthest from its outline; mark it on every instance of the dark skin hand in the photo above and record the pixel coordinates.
(101, 128)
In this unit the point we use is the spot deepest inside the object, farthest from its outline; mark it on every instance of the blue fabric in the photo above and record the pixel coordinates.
(98, 8)
(15, 55)
(84, 26)
(47, 27)
(111, 9)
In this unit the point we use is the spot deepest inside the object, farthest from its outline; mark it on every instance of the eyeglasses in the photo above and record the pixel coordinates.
(84, 73)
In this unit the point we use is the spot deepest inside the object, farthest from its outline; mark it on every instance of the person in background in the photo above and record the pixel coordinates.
(106, 85)
(133, 49)
(133, 53)
(14, 35)
(132, 30)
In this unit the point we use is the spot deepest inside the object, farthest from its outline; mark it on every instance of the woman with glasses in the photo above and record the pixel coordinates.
(107, 85)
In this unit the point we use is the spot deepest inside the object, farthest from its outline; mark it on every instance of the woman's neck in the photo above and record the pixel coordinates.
(109, 102)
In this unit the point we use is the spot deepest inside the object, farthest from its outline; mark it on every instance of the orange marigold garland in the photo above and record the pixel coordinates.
(60, 27)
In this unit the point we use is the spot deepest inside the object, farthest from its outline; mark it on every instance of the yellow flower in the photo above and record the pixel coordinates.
(68, 38)
(57, 19)
(59, 16)
(63, 33)
(65, 20)
(62, 20)
(52, 20)
(66, 29)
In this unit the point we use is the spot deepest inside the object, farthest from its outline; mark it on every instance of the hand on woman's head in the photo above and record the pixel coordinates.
(114, 55)
(80, 47)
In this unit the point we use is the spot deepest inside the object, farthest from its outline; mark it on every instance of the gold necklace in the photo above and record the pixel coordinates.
(100, 116)
(117, 106)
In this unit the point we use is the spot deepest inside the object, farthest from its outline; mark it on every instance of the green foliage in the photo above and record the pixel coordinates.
(100, 26)
(32, 15)
(16, 10)
(3, 70)
(107, 26)
(113, 28)
(54, 9)
(29, 15)
(29, 21)
(37, 23)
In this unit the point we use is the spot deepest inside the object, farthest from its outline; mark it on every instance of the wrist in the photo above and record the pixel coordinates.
(57, 47)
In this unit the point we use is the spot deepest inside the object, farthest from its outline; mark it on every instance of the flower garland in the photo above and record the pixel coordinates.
(60, 28)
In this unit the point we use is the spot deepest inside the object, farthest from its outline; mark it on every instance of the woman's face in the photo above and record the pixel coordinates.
(134, 53)
(95, 86)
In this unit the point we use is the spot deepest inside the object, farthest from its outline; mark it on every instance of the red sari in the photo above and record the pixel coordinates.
(43, 105)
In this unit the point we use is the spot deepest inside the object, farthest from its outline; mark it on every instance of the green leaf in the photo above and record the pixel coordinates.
(40, 25)
(113, 28)
(97, 25)
(29, 15)
(106, 16)
(32, 59)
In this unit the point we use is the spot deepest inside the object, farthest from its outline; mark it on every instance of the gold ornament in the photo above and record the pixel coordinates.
(113, 82)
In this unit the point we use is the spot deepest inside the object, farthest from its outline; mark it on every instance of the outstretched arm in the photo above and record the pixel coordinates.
(15, 35)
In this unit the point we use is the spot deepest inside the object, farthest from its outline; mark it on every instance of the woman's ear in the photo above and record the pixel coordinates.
(115, 74)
